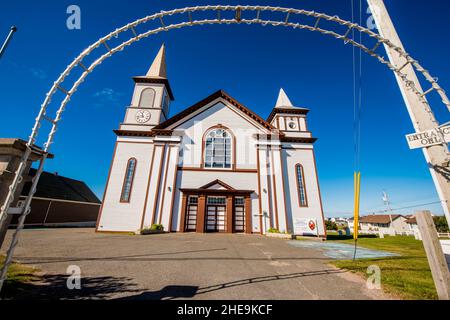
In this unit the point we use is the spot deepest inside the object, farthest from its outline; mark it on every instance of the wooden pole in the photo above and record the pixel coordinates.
(435, 255)
(421, 115)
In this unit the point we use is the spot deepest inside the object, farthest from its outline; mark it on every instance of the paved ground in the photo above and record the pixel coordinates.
(341, 251)
(194, 266)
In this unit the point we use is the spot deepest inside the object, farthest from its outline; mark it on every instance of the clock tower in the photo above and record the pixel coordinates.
(151, 97)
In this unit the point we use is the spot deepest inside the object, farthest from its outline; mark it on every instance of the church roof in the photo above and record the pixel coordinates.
(284, 105)
(283, 100)
(218, 94)
(158, 67)
(157, 72)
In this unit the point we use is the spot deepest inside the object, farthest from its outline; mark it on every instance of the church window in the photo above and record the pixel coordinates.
(218, 149)
(147, 98)
(128, 180)
(301, 188)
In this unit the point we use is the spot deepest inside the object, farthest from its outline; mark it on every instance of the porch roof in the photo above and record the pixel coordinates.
(216, 191)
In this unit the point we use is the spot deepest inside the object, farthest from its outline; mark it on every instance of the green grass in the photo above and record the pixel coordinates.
(19, 276)
(407, 276)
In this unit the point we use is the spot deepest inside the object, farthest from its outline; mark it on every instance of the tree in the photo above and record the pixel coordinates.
(331, 225)
(441, 224)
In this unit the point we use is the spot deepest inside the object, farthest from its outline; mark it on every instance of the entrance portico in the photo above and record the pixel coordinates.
(216, 207)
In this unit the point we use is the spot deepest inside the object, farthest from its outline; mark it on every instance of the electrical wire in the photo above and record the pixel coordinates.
(357, 112)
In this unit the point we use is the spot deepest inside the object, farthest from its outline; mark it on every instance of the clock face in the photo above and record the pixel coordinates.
(142, 116)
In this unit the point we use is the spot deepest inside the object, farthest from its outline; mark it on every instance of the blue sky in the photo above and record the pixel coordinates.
(249, 62)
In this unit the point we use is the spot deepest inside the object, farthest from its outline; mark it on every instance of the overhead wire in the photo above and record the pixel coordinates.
(357, 111)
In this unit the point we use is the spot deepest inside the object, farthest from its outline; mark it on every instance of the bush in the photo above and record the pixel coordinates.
(441, 224)
(273, 230)
(157, 227)
(331, 225)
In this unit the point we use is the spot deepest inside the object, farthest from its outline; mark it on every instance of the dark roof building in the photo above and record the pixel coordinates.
(54, 186)
(60, 201)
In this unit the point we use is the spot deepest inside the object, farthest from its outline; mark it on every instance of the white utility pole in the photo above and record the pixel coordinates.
(389, 209)
(8, 39)
(422, 117)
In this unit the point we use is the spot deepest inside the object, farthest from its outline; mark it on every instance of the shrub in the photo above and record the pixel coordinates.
(157, 227)
(273, 230)
(331, 225)
(441, 224)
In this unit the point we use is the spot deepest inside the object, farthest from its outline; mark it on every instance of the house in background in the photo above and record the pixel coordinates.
(394, 224)
(60, 201)
(412, 223)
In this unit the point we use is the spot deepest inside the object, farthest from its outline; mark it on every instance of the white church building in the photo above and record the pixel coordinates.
(214, 167)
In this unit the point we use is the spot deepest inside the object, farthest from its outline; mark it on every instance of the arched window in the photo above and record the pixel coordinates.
(218, 149)
(147, 98)
(128, 180)
(301, 187)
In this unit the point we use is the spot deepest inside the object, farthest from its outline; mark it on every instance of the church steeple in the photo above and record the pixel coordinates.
(151, 98)
(283, 100)
(158, 67)
(287, 118)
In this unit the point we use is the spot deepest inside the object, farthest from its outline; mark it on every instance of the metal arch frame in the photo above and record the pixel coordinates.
(217, 9)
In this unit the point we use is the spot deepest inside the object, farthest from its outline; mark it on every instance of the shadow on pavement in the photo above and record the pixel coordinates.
(53, 287)
(166, 293)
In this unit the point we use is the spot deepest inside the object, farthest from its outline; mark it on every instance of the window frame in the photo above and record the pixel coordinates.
(301, 204)
(142, 95)
(128, 199)
(232, 149)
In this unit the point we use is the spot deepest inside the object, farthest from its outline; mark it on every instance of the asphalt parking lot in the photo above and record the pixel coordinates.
(181, 266)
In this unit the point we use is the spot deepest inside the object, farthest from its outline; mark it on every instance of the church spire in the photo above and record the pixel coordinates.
(283, 100)
(158, 67)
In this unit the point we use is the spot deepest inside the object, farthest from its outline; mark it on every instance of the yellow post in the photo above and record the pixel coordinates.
(357, 180)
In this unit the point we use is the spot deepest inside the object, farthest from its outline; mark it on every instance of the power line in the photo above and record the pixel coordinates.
(408, 207)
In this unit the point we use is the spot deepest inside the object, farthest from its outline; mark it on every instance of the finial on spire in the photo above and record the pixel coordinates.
(283, 100)
(158, 67)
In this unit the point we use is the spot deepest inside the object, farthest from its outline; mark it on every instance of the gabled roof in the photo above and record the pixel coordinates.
(219, 182)
(218, 94)
(53, 186)
(411, 220)
(380, 218)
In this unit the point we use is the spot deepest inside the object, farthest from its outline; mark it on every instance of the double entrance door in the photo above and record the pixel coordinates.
(215, 218)
(216, 214)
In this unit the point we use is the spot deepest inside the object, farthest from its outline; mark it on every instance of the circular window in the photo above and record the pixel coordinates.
(292, 125)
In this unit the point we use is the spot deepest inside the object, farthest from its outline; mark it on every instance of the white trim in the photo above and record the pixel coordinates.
(167, 139)
(61, 200)
(86, 224)
(267, 143)
(211, 104)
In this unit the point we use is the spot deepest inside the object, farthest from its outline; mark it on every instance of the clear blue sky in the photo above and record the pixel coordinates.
(249, 62)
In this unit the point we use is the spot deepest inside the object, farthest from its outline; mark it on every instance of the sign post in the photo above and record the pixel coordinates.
(433, 137)
(436, 155)
(435, 255)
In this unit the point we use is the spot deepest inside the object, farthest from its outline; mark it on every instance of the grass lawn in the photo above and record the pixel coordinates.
(407, 276)
(19, 276)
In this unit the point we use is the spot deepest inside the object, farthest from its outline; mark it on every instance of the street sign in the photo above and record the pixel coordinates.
(429, 138)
